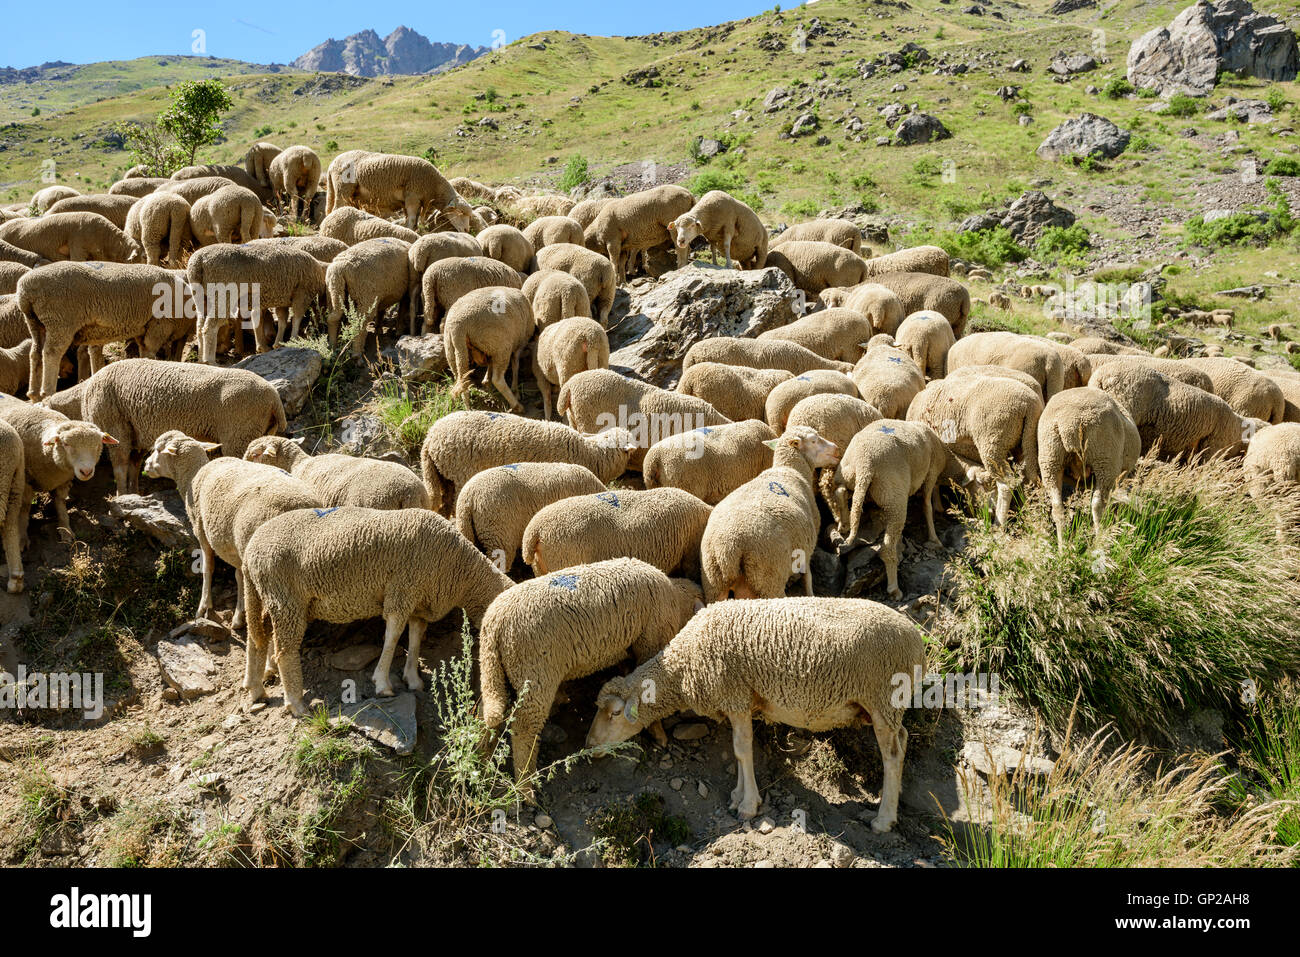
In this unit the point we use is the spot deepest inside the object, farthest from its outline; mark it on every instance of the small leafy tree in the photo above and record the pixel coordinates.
(193, 119)
(151, 148)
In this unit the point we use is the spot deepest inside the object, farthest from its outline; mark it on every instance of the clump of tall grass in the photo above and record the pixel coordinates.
(1269, 761)
(1185, 599)
(408, 410)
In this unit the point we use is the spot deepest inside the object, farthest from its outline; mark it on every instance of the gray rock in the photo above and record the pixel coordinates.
(1085, 135)
(892, 113)
(1031, 214)
(292, 371)
(991, 759)
(842, 855)
(421, 357)
(1024, 119)
(775, 99)
(690, 731)
(1069, 6)
(1247, 111)
(805, 123)
(354, 657)
(920, 128)
(389, 721)
(160, 515)
(1019, 66)
(709, 148)
(186, 666)
(364, 435)
(1069, 65)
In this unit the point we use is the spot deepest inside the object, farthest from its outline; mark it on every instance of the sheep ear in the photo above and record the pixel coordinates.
(300, 440)
(772, 444)
(699, 605)
(210, 446)
(109, 440)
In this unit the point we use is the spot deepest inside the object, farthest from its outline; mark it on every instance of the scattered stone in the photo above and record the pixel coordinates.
(1069, 6)
(763, 864)
(1019, 66)
(1246, 111)
(421, 357)
(676, 784)
(1032, 213)
(1069, 65)
(543, 821)
(160, 515)
(998, 759)
(920, 128)
(842, 855)
(776, 98)
(186, 667)
(293, 372)
(389, 721)
(804, 123)
(1083, 136)
(690, 731)
(766, 826)
(709, 148)
(703, 789)
(203, 628)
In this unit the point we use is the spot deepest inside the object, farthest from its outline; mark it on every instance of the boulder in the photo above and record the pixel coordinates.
(186, 666)
(920, 128)
(293, 372)
(1069, 6)
(1064, 65)
(1031, 214)
(160, 515)
(1247, 111)
(421, 357)
(1085, 135)
(389, 721)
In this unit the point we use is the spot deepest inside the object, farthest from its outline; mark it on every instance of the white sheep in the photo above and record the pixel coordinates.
(387, 182)
(13, 485)
(730, 227)
(814, 266)
(231, 214)
(835, 417)
(564, 349)
(917, 291)
(840, 232)
(737, 392)
(712, 461)
(342, 479)
(113, 207)
(489, 326)
(294, 175)
(556, 295)
(374, 275)
(78, 237)
(759, 354)
(157, 221)
(636, 224)
(258, 160)
(1250, 393)
(926, 337)
(918, 259)
(508, 245)
(788, 394)
(887, 378)
(554, 229)
(350, 225)
(447, 280)
(594, 271)
(832, 333)
(1035, 357)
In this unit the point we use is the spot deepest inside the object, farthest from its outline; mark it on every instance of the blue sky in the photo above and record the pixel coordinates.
(279, 30)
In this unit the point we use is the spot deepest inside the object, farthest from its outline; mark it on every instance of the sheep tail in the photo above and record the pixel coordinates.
(860, 489)
(1029, 449)
(279, 421)
(532, 551)
(496, 699)
(562, 402)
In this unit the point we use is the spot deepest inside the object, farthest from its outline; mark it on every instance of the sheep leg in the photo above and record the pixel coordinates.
(893, 745)
(929, 492)
(281, 325)
(742, 743)
(415, 635)
(543, 386)
(726, 247)
(1003, 508)
(393, 626)
(531, 711)
(60, 496)
(48, 365)
(12, 534)
(238, 621)
(1099, 496)
(120, 457)
(287, 635)
(207, 556)
(499, 380)
(412, 211)
(894, 520)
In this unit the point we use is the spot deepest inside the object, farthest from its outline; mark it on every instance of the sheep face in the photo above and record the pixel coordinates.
(683, 231)
(164, 459)
(76, 446)
(460, 214)
(819, 452)
(271, 450)
(618, 715)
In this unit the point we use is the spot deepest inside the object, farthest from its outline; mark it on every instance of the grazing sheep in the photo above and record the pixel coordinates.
(710, 462)
(553, 229)
(342, 479)
(10, 273)
(532, 207)
(472, 189)
(788, 394)
(594, 271)
(1038, 358)
(926, 337)
(836, 418)
(139, 187)
(1076, 367)
(9, 253)
(13, 485)
(70, 236)
(563, 627)
(585, 212)
(447, 280)
(460, 445)
(114, 208)
(814, 266)
(1094, 345)
(730, 227)
(43, 199)
(348, 564)
(661, 526)
(432, 248)
(1178, 369)
(738, 393)
(192, 190)
(231, 214)
(258, 160)
(759, 354)
(988, 421)
(870, 299)
(833, 333)
(13, 326)
(919, 291)
(158, 221)
(887, 379)
(919, 259)
(496, 505)
(1251, 394)
(839, 232)
(342, 169)
(1272, 461)
(15, 367)
(636, 224)
(507, 245)
(997, 372)
(352, 226)
(295, 175)
(374, 275)
(234, 174)
(888, 462)
(564, 349)
(490, 327)
(764, 532)
(815, 663)
(389, 182)
(322, 248)
(1084, 431)
(556, 295)
(1287, 381)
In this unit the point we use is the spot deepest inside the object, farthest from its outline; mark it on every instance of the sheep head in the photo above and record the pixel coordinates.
(819, 452)
(75, 446)
(169, 450)
(619, 715)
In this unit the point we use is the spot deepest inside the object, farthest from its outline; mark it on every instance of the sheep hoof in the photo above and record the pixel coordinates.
(747, 811)
(384, 690)
(737, 795)
(414, 682)
(896, 593)
(882, 825)
(15, 584)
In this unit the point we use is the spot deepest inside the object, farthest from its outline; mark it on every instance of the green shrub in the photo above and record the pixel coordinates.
(1061, 242)
(1180, 104)
(989, 247)
(800, 207)
(1118, 88)
(725, 180)
(1283, 166)
(575, 173)
(1276, 99)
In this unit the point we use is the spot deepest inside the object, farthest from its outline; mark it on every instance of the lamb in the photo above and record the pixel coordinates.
(887, 379)
(389, 182)
(258, 160)
(710, 462)
(878, 304)
(764, 532)
(347, 564)
(834, 333)
(71, 236)
(814, 663)
(1085, 430)
(43, 199)
(996, 372)
(813, 266)
(342, 479)
(836, 418)
(352, 226)
(729, 226)
(322, 248)
(549, 230)
(13, 484)
(926, 337)
(449, 279)
(496, 505)
(139, 187)
(759, 354)
(489, 326)
(922, 291)
(889, 462)
(931, 260)
(1182, 418)
(10, 273)
(507, 245)
(95, 303)
(636, 224)
(462, 444)
(295, 175)
(235, 174)
(374, 275)
(231, 214)
(660, 526)
(813, 382)
(1178, 369)
(564, 349)
(594, 271)
(9, 253)
(555, 296)
(1251, 394)
(15, 367)
(839, 232)
(989, 421)
(1035, 357)
(56, 450)
(114, 208)
(160, 220)
(736, 392)
(563, 627)
(585, 212)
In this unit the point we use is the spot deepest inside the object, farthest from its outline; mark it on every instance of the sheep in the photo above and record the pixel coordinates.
(919, 291)
(815, 663)
(114, 208)
(192, 190)
(759, 354)
(295, 175)
(43, 199)
(286, 280)
(1181, 418)
(594, 271)
(585, 212)
(636, 224)
(9, 253)
(1076, 367)
(10, 273)
(1035, 357)
(709, 462)
(13, 485)
(997, 372)
(342, 479)
(1084, 431)
(56, 450)
(563, 627)
(1094, 345)
(1252, 395)
(347, 564)
(488, 326)
(839, 232)
(390, 182)
(1287, 381)
(877, 304)
(15, 367)
(1178, 369)
(230, 212)
(258, 160)
(661, 526)
(374, 275)
(1272, 461)
(832, 333)
(549, 230)
(139, 187)
(496, 505)
(729, 226)
(926, 337)
(234, 174)
(764, 532)
(429, 249)
(71, 236)
(352, 226)
(814, 266)
(322, 248)
(13, 325)
(447, 280)
(556, 295)
(788, 394)
(931, 260)
(835, 417)
(988, 421)
(530, 207)
(341, 171)
(888, 462)
(507, 245)
(564, 349)
(160, 220)
(736, 392)
(887, 379)
(462, 444)
(472, 189)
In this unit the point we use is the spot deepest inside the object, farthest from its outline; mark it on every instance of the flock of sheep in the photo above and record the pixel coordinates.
(873, 396)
